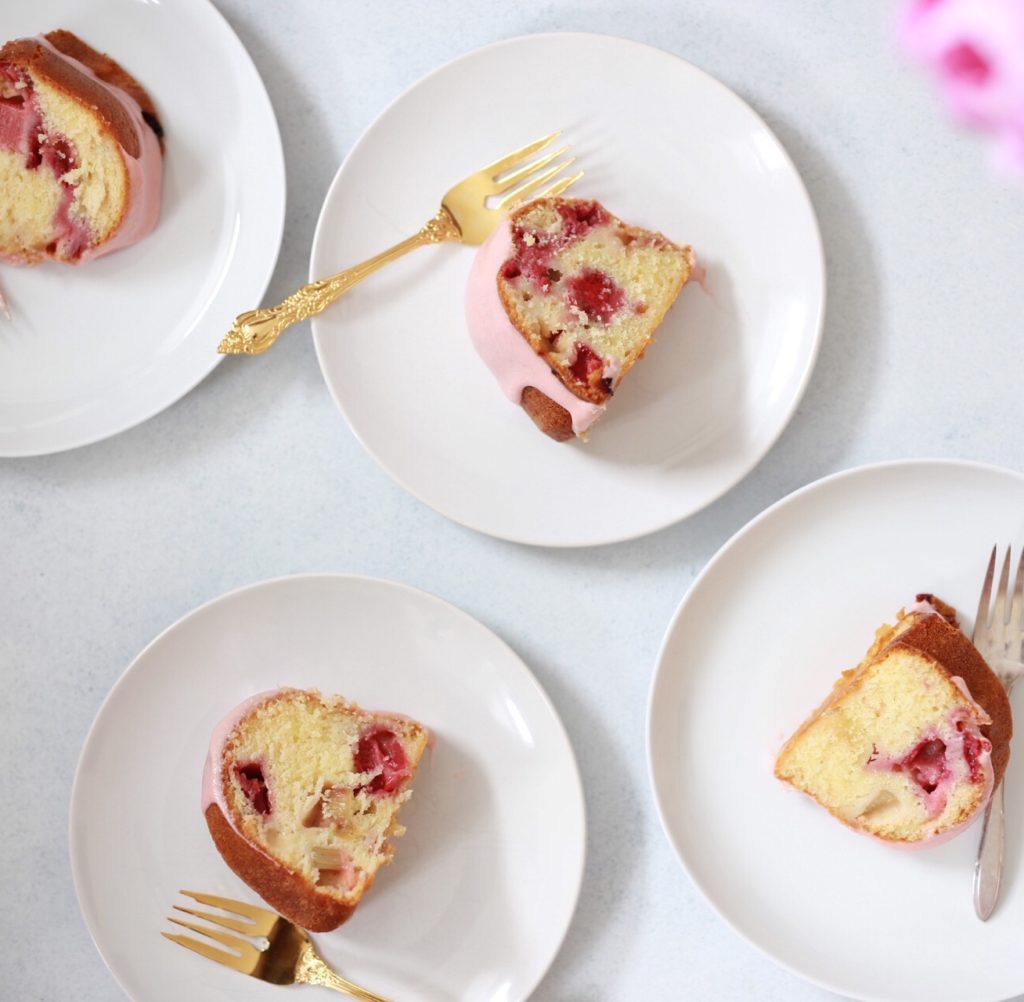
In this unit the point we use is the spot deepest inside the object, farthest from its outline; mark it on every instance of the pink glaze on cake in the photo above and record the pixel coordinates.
(923, 606)
(213, 789)
(504, 350)
(20, 129)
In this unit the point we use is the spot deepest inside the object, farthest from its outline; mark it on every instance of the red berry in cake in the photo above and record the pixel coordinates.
(254, 786)
(586, 366)
(580, 216)
(926, 764)
(59, 155)
(594, 296)
(976, 749)
(380, 751)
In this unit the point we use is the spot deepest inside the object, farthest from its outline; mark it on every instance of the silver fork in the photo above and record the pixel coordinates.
(999, 636)
(285, 955)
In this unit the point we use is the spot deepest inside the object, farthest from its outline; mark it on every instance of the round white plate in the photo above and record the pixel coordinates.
(94, 350)
(663, 145)
(482, 888)
(792, 600)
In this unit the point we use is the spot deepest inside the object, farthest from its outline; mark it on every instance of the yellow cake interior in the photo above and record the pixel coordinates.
(322, 821)
(30, 202)
(869, 755)
(102, 182)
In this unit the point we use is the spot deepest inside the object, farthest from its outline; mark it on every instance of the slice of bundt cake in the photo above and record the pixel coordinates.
(80, 152)
(301, 793)
(909, 745)
(582, 293)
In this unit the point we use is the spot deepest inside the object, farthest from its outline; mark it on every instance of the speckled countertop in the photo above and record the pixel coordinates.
(103, 547)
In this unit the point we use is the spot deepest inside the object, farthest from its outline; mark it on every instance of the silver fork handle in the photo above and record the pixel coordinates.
(988, 870)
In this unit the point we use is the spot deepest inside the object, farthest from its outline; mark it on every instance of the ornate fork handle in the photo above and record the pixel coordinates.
(311, 970)
(255, 331)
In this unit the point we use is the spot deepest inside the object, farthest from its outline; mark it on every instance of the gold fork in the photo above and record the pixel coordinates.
(463, 217)
(288, 958)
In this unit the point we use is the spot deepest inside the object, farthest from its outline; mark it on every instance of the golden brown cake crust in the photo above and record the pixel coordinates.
(284, 890)
(111, 72)
(38, 60)
(934, 636)
(552, 419)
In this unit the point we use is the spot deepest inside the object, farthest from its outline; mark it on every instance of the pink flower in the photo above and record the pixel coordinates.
(976, 50)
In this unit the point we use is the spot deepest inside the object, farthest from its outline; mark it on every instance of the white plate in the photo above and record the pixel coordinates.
(94, 350)
(664, 145)
(482, 888)
(788, 603)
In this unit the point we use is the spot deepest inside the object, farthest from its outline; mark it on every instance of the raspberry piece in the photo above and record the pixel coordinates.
(586, 363)
(254, 786)
(596, 293)
(927, 764)
(380, 749)
(974, 746)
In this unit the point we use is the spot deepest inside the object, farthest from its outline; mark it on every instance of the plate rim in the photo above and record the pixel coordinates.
(278, 181)
(816, 326)
(660, 672)
(337, 577)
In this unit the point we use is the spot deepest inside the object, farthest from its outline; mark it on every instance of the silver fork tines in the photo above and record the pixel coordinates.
(999, 630)
(999, 637)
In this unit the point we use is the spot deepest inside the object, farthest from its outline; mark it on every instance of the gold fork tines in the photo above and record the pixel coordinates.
(282, 955)
(465, 216)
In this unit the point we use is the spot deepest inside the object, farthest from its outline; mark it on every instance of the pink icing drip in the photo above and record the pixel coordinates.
(504, 350)
(699, 274)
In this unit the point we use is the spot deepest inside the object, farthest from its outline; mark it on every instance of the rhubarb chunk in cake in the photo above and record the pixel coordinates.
(909, 745)
(81, 159)
(301, 794)
(582, 293)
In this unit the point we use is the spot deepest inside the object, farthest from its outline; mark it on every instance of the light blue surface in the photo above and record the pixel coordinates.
(255, 475)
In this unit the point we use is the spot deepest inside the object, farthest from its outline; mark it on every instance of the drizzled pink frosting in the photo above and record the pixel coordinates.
(145, 173)
(504, 350)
